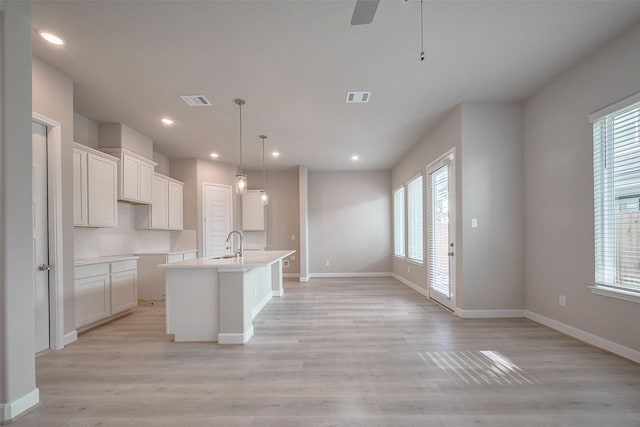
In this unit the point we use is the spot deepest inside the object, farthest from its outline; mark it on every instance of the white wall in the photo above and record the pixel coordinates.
(17, 360)
(558, 182)
(492, 186)
(349, 222)
(447, 134)
(124, 239)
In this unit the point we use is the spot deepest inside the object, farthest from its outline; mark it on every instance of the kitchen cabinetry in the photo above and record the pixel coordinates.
(104, 289)
(94, 188)
(135, 176)
(166, 208)
(151, 280)
(252, 212)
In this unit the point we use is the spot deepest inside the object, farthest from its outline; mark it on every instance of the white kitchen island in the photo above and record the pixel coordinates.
(210, 299)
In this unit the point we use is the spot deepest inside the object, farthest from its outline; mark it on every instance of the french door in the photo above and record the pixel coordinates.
(441, 230)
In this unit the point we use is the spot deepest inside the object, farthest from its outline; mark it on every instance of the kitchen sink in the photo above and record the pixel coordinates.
(223, 257)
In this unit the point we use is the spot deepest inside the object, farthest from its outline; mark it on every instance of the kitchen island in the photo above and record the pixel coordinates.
(213, 299)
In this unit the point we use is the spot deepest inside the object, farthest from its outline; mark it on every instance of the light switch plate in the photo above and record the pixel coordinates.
(474, 222)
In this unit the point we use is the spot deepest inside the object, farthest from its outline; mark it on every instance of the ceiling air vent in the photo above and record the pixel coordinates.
(196, 101)
(358, 97)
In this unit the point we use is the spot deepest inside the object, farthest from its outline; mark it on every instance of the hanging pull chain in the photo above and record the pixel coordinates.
(421, 32)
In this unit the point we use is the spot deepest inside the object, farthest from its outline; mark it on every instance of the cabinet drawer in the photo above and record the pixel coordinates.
(130, 264)
(174, 258)
(83, 271)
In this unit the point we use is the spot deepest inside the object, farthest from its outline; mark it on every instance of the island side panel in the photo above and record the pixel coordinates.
(276, 278)
(232, 318)
(192, 304)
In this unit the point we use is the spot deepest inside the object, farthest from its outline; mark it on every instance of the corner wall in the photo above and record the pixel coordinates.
(558, 182)
(349, 222)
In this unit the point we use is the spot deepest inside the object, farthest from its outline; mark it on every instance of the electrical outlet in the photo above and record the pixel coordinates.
(408, 268)
(285, 263)
(327, 263)
(562, 300)
(292, 257)
(474, 222)
(293, 237)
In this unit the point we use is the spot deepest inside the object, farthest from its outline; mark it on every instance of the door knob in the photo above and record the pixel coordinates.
(44, 267)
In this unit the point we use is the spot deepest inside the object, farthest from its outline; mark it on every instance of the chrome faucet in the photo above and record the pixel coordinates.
(239, 252)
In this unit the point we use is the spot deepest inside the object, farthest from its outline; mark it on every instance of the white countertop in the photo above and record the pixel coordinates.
(103, 259)
(166, 252)
(250, 259)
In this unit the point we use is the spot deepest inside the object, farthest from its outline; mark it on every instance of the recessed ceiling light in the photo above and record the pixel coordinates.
(355, 158)
(276, 154)
(214, 155)
(52, 38)
(167, 121)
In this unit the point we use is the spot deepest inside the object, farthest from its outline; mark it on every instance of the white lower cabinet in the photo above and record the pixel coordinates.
(103, 290)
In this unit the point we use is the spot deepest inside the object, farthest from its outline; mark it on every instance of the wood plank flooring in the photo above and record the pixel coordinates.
(348, 352)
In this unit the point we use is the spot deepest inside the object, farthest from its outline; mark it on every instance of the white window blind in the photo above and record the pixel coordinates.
(398, 222)
(439, 236)
(415, 231)
(616, 161)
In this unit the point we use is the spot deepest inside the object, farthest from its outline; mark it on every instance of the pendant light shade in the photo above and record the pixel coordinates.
(264, 197)
(241, 177)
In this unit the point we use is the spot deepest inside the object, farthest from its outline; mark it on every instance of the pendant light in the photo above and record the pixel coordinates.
(264, 197)
(241, 177)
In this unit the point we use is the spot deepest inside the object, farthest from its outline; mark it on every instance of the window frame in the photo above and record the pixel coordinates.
(606, 279)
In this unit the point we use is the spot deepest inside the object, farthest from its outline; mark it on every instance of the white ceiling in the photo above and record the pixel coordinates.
(294, 61)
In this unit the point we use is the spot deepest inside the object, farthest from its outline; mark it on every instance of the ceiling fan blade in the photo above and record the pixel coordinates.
(364, 12)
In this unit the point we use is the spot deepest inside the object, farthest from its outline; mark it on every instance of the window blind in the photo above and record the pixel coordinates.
(616, 161)
(414, 220)
(398, 222)
(439, 235)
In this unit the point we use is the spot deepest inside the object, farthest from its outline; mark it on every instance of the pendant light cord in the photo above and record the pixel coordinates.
(421, 32)
(240, 105)
(264, 179)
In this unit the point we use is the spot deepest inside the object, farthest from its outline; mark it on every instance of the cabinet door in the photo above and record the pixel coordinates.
(175, 206)
(102, 192)
(130, 178)
(159, 219)
(79, 187)
(252, 212)
(124, 293)
(92, 299)
(146, 182)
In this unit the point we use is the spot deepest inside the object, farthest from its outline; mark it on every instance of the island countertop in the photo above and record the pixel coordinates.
(251, 258)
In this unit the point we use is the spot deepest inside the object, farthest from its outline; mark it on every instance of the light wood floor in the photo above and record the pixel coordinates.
(338, 353)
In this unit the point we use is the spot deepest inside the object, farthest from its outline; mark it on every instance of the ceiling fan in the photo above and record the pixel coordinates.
(364, 12)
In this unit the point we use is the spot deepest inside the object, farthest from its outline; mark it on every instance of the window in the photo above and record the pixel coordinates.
(616, 161)
(414, 220)
(398, 222)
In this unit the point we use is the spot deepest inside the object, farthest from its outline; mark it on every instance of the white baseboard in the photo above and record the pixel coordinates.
(258, 308)
(330, 275)
(294, 275)
(236, 338)
(70, 337)
(304, 279)
(10, 410)
(411, 284)
(587, 337)
(489, 314)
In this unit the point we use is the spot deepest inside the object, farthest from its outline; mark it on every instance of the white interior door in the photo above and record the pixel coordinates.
(442, 231)
(217, 206)
(40, 237)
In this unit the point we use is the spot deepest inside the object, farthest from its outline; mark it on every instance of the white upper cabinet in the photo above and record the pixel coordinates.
(94, 188)
(135, 176)
(252, 212)
(165, 211)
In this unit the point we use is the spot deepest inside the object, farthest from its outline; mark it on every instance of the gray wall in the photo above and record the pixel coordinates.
(349, 222)
(491, 186)
(85, 131)
(447, 134)
(558, 182)
(53, 98)
(283, 219)
(17, 361)
(163, 164)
